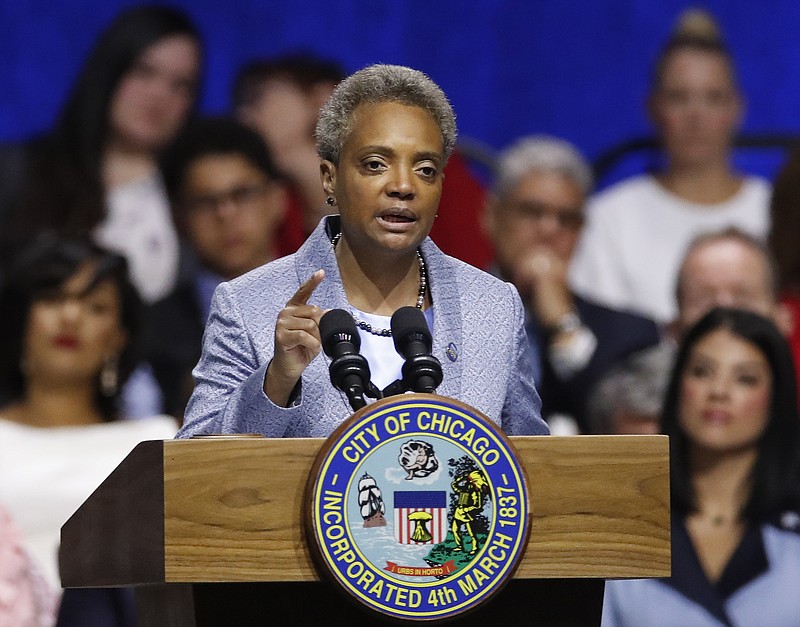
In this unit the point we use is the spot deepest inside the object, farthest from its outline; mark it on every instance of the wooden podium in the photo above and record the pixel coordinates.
(210, 532)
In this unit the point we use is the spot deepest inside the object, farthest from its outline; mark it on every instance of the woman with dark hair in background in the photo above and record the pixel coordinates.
(69, 324)
(638, 229)
(96, 173)
(731, 414)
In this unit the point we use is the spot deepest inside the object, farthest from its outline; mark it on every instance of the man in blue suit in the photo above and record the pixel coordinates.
(534, 217)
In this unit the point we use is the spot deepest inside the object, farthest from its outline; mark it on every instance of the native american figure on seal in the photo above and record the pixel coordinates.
(471, 488)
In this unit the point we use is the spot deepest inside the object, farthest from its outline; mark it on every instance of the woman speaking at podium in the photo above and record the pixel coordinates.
(383, 138)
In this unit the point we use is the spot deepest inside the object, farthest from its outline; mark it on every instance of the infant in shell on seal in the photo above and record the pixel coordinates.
(418, 459)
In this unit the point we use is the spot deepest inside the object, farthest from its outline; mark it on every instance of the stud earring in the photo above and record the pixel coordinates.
(330, 201)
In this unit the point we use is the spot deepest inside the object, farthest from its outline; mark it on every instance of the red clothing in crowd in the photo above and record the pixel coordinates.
(792, 303)
(457, 230)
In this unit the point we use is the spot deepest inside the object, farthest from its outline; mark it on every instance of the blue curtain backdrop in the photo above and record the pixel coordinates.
(571, 68)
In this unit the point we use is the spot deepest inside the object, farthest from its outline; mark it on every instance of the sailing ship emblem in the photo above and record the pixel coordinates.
(370, 501)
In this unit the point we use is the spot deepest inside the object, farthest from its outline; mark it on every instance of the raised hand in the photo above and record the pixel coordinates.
(297, 342)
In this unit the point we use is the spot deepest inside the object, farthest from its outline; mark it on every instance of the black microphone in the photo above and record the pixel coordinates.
(422, 372)
(349, 370)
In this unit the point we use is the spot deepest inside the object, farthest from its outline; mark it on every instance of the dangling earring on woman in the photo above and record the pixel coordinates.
(109, 376)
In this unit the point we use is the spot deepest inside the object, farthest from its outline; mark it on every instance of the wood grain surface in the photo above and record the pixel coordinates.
(234, 508)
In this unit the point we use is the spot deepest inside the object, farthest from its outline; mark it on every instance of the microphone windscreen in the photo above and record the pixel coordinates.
(409, 323)
(338, 326)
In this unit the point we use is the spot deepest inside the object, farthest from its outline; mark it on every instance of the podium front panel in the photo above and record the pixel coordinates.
(232, 508)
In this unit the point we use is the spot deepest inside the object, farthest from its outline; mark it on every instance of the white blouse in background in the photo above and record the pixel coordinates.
(139, 226)
(47, 473)
(637, 232)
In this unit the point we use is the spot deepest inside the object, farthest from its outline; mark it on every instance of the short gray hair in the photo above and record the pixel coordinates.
(541, 153)
(637, 384)
(376, 84)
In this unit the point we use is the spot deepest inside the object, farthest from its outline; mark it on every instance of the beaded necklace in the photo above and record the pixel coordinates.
(423, 286)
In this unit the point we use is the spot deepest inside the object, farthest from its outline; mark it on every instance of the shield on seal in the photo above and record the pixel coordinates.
(420, 517)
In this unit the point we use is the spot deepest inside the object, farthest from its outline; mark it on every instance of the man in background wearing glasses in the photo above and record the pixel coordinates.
(534, 217)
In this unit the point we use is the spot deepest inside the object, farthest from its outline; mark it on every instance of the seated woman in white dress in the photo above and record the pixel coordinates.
(96, 171)
(638, 229)
(69, 322)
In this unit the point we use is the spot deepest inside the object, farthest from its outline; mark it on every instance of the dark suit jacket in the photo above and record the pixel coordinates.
(97, 607)
(174, 338)
(618, 333)
(14, 159)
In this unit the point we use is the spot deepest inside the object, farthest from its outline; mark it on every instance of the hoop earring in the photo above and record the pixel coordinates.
(109, 376)
(330, 201)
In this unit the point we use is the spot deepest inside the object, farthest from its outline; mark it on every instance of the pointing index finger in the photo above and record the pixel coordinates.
(303, 293)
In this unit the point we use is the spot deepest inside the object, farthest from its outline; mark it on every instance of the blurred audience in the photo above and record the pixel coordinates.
(281, 98)
(96, 172)
(534, 217)
(637, 230)
(627, 400)
(69, 325)
(229, 202)
(726, 268)
(731, 414)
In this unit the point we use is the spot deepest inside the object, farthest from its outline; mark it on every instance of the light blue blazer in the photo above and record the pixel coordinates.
(759, 586)
(478, 335)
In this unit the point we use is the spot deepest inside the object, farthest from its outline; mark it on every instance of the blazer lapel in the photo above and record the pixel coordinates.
(447, 328)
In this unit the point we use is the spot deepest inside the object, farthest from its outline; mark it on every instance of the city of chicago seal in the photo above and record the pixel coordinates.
(418, 508)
